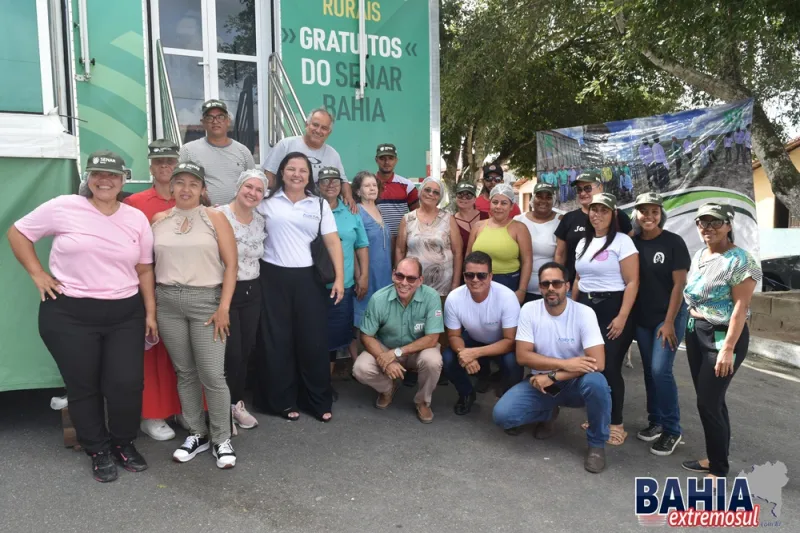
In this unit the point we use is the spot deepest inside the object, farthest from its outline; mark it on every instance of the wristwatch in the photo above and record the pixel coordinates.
(552, 375)
(398, 352)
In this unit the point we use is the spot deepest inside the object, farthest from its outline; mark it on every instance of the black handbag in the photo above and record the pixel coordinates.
(323, 266)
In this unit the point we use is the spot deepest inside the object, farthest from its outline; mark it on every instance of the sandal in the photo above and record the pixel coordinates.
(322, 418)
(617, 435)
(585, 425)
(291, 414)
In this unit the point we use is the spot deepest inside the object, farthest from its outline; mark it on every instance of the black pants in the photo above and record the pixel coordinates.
(607, 310)
(98, 346)
(678, 164)
(295, 368)
(244, 314)
(701, 350)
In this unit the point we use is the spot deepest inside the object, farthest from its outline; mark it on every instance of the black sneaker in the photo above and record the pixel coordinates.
(193, 445)
(665, 444)
(129, 457)
(650, 433)
(695, 466)
(464, 404)
(224, 454)
(103, 467)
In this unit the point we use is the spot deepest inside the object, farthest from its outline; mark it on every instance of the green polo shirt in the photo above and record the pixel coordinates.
(351, 232)
(394, 325)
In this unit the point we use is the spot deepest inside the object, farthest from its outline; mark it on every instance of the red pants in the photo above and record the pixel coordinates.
(160, 397)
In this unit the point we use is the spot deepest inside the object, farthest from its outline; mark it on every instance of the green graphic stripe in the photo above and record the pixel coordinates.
(130, 42)
(127, 88)
(674, 202)
(98, 142)
(106, 126)
(118, 108)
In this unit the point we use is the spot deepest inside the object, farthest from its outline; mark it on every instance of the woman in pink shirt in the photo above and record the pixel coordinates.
(98, 304)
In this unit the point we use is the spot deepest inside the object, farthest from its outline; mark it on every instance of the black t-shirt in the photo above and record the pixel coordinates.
(571, 230)
(658, 259)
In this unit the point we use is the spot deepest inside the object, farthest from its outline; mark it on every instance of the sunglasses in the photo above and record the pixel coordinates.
(705, 224)
(434, 192)
(402, 277)
(556, 284)
(469, 276)
(496, 179)
(584, 188)
(465, 196)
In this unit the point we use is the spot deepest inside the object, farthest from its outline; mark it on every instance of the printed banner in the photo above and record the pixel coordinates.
(690, 158)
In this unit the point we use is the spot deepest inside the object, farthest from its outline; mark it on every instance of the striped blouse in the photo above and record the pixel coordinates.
(710, 280)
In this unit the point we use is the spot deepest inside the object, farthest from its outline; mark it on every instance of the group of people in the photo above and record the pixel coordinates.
(218, 262)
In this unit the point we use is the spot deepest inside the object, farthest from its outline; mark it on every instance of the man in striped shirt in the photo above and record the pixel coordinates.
(399, 195)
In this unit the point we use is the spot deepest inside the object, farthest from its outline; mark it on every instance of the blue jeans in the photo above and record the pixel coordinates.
(523, 404)
(659, 382)
(508, 280)
(510, 370)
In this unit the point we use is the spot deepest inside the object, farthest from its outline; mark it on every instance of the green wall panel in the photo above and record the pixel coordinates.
(21, 81)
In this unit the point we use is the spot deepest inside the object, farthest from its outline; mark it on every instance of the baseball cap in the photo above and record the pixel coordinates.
(386, 149)
(465, 186)
(190, 167)
(589, 177)
(543, 187)
(649, 198)
(606, 199)
(208, 105)
(713, 209)
(162, 148)
(329, 173)
(492, 169)
(105, 161)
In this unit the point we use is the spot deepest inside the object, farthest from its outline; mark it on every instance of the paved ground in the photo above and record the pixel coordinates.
(373, 471)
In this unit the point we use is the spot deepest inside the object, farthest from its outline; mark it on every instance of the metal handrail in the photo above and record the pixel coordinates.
(169, 116)
(281, 114)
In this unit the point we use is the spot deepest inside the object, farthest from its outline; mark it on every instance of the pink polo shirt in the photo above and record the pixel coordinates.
(93, 255)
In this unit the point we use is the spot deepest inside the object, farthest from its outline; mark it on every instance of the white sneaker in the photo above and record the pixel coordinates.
(193, 445)
(156, 429)
(242, 417)
(223, 452)
(58, 403)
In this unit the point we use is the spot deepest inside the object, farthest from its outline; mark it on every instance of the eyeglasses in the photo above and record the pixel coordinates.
(215, 118)
(705, 224)
(399, 276)
(465, 196)
(496, 179)
(434, 192)
(556, 284)
(585, 188)
(327, 182)
(469, 276)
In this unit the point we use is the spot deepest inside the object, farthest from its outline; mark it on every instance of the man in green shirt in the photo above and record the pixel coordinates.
(400, 331)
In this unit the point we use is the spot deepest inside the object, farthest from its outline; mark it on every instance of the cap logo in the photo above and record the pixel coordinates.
(95, 160)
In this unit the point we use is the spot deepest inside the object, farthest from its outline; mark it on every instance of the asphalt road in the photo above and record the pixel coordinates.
(376, 471)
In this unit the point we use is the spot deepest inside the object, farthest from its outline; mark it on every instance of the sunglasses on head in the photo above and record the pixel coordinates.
(399, 276)
(705, 224)
(469, 276)
(434, 192)
(496, 179)
(584, 188)
(556, 284)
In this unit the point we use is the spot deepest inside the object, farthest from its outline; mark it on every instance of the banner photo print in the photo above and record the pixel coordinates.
(690, 158)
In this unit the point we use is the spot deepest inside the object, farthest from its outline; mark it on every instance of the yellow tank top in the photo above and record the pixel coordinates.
(501, 247)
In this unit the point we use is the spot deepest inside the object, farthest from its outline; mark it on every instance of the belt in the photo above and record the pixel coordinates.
(593, 295)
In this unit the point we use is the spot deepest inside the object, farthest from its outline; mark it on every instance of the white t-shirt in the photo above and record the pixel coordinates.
(291, 227)
(543, 241)
(484, 321)
(325, 156)
(564, 336)
(603, 273)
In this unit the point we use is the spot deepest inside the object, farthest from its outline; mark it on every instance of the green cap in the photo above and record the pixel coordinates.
(649, 198)
(465, 186)
(162, 148)
(589, 177)
(606, 199)
(718, 211)
(208, 105)
(326, 173)
(386, 149)
(544, 187)
(190, 167)
(105, 161)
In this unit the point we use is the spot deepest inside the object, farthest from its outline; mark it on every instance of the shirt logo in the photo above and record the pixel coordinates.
(579, 228)
(602, 256)
(419, 327)
(658, 258)
(568, 340)
(437, 313)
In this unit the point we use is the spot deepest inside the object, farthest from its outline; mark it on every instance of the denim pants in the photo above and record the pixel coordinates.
(510, 370)
(522, 404)
(659, 382)
(509, 280)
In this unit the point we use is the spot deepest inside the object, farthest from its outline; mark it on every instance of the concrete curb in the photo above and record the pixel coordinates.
(784, 352)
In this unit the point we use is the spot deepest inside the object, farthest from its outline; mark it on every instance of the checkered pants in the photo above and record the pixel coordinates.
(199, 361)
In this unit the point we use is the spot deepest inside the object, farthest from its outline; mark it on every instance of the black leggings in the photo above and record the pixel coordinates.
(98, 346)
(702, 339)
(244, 315)
(607, 310)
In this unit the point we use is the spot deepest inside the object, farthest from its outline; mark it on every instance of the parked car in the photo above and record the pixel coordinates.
(780, 259)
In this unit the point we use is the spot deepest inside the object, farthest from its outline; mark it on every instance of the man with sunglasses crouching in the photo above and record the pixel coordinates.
(400, 331)
(560, 340)
(481, 320)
